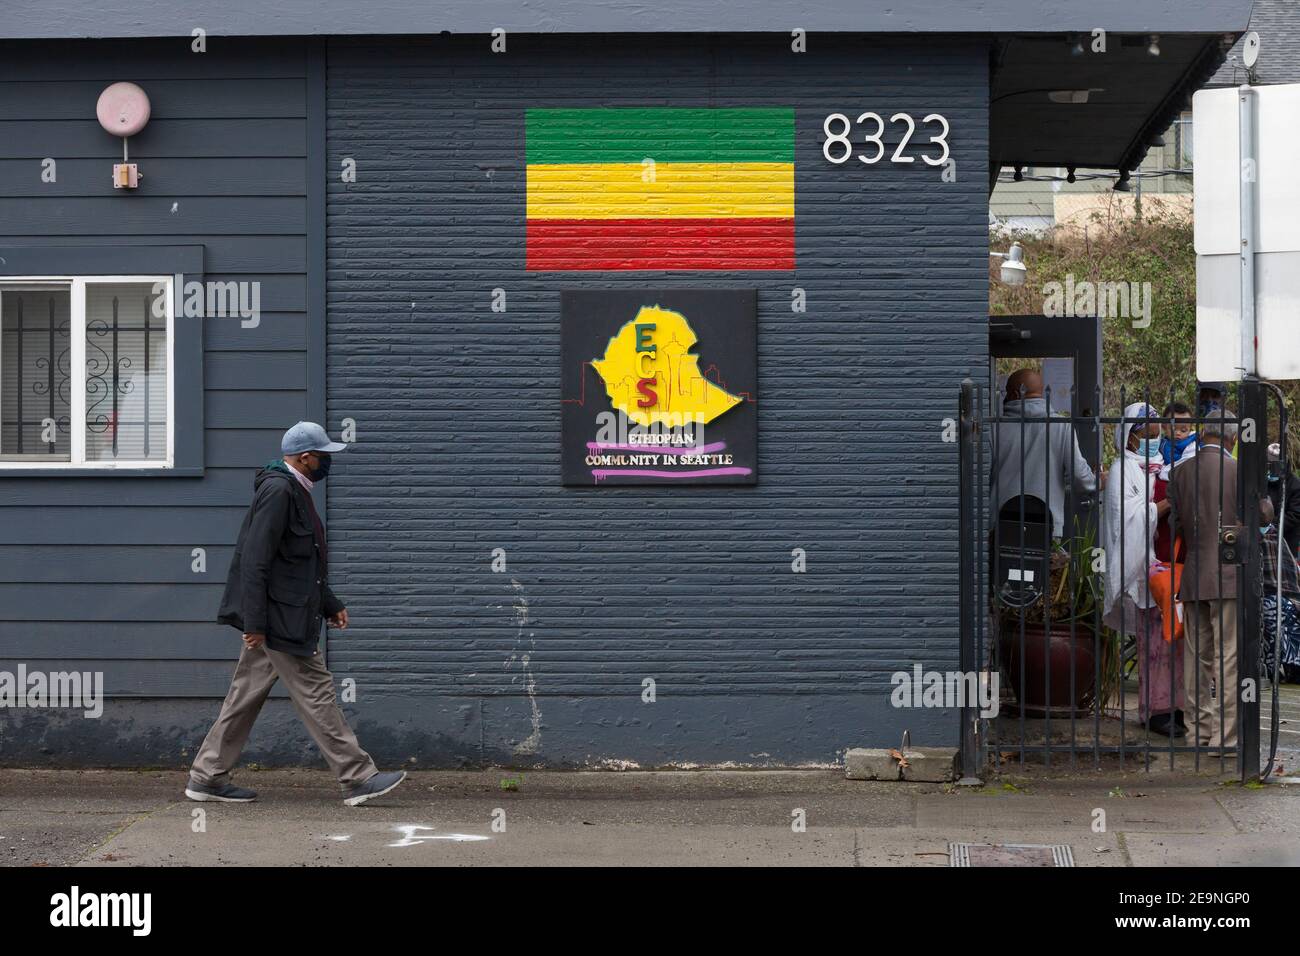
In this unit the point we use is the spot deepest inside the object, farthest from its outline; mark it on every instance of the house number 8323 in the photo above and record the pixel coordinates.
(838, 146)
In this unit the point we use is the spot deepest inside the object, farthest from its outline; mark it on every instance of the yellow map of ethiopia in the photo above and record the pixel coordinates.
(660, 382)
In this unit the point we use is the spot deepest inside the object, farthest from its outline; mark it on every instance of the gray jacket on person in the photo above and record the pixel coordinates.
(1053, 464)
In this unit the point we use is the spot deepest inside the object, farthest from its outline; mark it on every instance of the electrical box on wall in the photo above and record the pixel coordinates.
(126, 175)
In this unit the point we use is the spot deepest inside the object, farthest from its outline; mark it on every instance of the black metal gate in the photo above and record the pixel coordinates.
(1119, 618)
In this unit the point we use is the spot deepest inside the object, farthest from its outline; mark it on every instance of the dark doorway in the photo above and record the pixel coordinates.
(1069, 352)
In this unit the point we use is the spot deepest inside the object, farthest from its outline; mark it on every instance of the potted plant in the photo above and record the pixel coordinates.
(1048, 649)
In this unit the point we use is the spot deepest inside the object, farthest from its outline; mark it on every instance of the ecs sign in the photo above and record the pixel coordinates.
(658, 387)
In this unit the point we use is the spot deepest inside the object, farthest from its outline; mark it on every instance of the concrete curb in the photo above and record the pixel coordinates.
(919, 764)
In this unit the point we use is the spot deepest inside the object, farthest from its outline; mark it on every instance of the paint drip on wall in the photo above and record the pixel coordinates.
(522, 657)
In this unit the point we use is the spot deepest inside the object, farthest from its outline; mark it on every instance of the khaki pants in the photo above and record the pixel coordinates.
(311, 688)
(1210, 632)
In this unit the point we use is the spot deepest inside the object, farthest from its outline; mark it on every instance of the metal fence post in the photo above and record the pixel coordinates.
(1252, 482)
(967, 548)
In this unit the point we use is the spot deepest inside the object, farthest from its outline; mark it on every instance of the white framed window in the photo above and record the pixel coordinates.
(87, 372)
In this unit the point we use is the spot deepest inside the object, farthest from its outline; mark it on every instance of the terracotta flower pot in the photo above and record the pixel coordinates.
(1054, 656)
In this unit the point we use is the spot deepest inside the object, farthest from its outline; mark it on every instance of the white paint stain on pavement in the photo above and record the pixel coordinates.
(340, 837)
(411, 838)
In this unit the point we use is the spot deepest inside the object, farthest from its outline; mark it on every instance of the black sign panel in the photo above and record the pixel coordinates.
(658, 387)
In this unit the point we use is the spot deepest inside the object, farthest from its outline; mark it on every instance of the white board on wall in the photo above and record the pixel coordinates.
(1217, 232)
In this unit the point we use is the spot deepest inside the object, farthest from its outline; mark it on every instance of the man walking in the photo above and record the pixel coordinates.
(1203, 496)
(277, 594)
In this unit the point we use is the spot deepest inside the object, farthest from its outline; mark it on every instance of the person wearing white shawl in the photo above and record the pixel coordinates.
(1129, 523)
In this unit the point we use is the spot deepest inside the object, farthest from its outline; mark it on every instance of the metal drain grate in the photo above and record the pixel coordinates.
(1010, 854)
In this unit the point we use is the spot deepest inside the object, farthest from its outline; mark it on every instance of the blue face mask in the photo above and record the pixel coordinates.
(1149, 447)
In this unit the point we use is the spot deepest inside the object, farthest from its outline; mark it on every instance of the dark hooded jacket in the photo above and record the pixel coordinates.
(277, 583)
(1291, 528)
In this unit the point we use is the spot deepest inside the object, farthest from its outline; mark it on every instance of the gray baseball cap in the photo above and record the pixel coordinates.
(308, 436)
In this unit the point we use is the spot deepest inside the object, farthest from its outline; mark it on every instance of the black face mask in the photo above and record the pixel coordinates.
(322, 469)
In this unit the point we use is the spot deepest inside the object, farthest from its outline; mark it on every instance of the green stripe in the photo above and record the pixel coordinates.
(740, 135)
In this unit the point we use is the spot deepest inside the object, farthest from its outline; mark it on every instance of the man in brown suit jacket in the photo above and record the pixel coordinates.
(1203, 496)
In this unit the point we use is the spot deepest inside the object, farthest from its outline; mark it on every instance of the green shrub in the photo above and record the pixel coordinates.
(1157, 249)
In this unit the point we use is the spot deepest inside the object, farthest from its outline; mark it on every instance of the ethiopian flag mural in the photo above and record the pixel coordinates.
(660, 189)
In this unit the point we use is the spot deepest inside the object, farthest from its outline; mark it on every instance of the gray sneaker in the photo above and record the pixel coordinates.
(376, 786)
(226, 793)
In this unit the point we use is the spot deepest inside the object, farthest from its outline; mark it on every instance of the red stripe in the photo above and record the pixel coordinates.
(556, 245)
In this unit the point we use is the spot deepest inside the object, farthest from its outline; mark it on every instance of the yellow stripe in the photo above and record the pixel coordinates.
(681, 190)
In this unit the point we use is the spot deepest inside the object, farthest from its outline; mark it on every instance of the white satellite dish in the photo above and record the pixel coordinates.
(1250, 49)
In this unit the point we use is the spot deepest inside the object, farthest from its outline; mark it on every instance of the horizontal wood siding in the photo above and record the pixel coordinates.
(96, 573)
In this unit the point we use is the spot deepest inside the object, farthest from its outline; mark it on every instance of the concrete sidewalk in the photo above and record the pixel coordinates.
(127, 818)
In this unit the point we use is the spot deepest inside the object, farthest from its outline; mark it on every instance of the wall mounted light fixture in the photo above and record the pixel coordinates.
(1013, 271)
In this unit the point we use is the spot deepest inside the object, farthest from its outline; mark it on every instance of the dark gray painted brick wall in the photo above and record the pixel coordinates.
(95, 572)
(457, 412)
